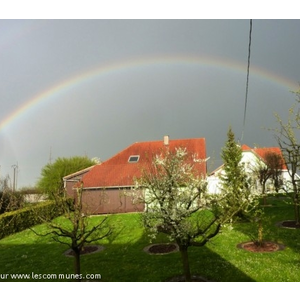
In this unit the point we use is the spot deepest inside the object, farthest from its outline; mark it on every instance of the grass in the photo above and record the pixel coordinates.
(124, 260)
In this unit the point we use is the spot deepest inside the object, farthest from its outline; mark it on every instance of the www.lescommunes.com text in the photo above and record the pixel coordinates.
(36, 276)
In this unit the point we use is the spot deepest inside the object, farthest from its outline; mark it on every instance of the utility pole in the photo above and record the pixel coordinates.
(15, 167)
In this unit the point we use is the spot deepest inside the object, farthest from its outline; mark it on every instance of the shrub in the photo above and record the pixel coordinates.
(10, 201)
(18, 220)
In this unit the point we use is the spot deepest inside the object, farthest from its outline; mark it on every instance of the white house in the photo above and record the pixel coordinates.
(251, 158)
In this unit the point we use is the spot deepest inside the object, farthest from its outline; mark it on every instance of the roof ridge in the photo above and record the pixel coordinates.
(149, 142)
(118, 153)
(80, 171)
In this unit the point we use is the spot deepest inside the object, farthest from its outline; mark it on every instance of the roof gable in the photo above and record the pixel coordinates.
(77, 174)
(118, 171)
(245, 148)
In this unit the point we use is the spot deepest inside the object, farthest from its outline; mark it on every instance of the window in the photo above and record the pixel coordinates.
(134, 158)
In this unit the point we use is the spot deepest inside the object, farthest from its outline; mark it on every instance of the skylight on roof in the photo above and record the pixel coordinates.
(133, 158)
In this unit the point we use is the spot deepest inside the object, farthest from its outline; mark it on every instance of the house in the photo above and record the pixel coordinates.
(251, 158)
(104, 186)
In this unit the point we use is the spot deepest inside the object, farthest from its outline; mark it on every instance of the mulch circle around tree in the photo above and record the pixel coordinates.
(264, 247)
(89, 249)
(161, 249)
(289, 224)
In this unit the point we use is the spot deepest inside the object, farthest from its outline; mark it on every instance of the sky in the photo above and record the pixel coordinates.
(92, 87)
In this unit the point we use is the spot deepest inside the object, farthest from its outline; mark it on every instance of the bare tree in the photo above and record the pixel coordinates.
(77, 231)
(275, 163)
(286, 136)
(269, 168)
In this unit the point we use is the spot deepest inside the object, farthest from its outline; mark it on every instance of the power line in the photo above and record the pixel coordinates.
(247, 80)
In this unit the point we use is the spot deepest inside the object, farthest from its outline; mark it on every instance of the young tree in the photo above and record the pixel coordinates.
(275, 163)
(262, 173)
(75, 229)
(51, 180)
(269, 168)
(286, 136)
(174, 194)
(236, 190)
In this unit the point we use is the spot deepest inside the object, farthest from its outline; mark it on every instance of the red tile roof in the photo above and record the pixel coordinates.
(118, 172)
(262, 152)
(245, 148)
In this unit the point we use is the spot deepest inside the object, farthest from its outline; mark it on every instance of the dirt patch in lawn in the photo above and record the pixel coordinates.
(290, 224)
(265, 246)
(166, 248)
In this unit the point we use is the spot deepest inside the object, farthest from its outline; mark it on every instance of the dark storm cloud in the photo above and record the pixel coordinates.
(107, 113)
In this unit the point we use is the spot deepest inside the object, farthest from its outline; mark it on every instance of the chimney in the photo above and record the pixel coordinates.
(166, 140)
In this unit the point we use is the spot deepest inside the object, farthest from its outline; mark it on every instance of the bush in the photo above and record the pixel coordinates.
(18, 220)
(10, 201)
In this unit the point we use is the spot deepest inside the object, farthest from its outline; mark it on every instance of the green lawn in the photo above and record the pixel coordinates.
(123, 259)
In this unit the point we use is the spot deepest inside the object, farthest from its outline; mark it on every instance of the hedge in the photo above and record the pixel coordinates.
(18, 220)
(10, 201)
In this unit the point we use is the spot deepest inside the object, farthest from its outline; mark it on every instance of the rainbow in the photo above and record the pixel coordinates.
(129, 65)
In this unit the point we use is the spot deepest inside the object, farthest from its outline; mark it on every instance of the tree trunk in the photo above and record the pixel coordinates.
(264, 192)
(185, 262)
(296, 207)
(265, 199)
(77, 264)
(263, 188)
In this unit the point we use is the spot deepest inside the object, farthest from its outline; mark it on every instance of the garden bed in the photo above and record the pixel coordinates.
(265, 246)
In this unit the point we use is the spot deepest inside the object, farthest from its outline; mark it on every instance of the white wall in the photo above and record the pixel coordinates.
(33, 198)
